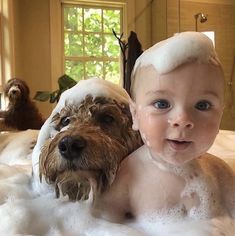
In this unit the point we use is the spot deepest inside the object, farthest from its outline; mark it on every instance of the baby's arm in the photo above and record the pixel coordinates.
(226, 181)
(228, 186)
(113, 205)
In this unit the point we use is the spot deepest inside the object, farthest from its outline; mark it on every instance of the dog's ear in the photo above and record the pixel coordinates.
(24, 88)
(46, 159)
(108, 177)
(42, 159)
(132, 106)
(111, 173)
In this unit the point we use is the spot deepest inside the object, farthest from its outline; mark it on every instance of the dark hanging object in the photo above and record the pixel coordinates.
(128, 56)
(134, 51)
(123, 46)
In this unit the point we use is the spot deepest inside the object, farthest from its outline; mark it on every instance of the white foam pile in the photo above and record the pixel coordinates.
(24, 213)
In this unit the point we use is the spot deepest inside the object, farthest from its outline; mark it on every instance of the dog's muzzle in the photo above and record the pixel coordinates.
(14, 92)
(71, 147)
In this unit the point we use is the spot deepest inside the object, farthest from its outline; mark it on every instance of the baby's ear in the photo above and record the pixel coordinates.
(132, 106)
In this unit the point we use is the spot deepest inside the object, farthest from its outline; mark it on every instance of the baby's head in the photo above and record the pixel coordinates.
(173, 52)
(178, 94)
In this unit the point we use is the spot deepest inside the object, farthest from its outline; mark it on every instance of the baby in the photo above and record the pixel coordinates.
(177, 104)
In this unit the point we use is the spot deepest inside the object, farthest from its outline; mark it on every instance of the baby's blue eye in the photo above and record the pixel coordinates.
(162, 104)
(203, 105)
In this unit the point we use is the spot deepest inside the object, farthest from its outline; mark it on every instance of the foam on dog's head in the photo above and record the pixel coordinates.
(74, 96)
(95, 87)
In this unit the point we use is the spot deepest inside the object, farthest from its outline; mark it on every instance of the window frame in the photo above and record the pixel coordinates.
(83, 59)
(57, 44)
(7, 63)
(86, 58)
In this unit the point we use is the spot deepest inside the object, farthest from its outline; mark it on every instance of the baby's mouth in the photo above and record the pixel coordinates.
(178, 144)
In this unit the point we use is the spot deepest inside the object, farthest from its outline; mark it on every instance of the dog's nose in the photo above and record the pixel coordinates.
(71, 147)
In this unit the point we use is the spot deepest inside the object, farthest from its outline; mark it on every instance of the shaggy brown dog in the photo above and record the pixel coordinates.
(91, 142)
(21, 113)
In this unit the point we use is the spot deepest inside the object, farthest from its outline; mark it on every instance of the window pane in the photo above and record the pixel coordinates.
(112, 69)
(111, 20)
(73, 44)
(73, 18)
(74, 69)
(89, 42)
(92, 20)
(94, 69)
(111, 47)
(93, 45)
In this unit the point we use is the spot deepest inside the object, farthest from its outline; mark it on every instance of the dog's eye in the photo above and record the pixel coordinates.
(65, 121)
(107, 119)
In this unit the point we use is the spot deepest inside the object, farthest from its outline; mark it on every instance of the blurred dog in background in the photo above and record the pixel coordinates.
(21, 113)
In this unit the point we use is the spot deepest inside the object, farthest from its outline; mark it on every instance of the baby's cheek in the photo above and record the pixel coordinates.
(150, 127)
(151, 135)
(145, 139)
(210, 129)
(207, 134)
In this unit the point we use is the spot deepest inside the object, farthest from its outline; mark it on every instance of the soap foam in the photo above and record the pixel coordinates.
(23, 212)
(167, 55)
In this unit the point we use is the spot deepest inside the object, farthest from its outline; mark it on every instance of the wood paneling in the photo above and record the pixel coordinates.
(221, 20)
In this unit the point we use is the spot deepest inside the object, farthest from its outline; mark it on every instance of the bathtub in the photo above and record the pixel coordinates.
(22, 212)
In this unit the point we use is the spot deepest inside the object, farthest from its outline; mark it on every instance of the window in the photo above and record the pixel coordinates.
(6, 46)
(210, 35)
(90, 48)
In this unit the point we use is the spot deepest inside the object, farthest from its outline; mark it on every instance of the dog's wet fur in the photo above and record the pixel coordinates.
(90, 142)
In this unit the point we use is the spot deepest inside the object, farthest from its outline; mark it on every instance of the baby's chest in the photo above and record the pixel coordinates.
(173, 197)
(202, 197)
(154, 192)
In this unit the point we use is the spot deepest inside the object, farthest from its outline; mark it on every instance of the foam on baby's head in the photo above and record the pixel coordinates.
(167, 55)
(184, 47)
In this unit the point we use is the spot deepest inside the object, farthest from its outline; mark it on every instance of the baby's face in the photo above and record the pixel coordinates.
(178, 114)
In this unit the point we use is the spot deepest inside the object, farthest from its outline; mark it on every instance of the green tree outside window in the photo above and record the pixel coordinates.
(90, 48)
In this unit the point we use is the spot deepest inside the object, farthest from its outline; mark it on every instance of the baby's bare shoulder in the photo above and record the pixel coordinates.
(134, 161)
(216, 166)
(223, 176)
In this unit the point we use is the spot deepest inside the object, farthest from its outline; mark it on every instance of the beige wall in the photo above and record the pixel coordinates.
(32, 46)
(37, 47)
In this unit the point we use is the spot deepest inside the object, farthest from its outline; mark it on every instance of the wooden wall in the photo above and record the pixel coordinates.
(221, 20)
(172, 16)
(36, 47)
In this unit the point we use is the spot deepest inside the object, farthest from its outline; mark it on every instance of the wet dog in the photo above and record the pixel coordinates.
(21, 113)
(91, 137)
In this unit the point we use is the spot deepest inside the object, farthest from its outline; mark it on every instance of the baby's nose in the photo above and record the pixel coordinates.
(182, 120)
